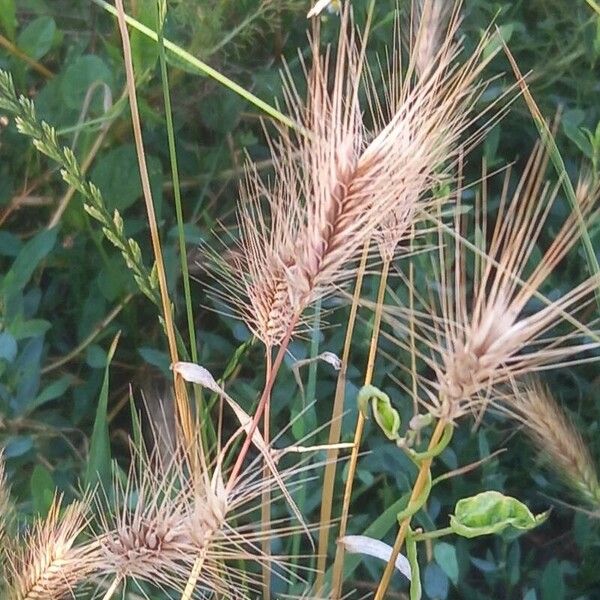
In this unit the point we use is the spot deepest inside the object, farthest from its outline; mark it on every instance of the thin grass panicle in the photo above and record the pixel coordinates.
(553, 432)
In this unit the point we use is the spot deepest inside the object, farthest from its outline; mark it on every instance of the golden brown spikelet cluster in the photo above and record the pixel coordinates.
(48, 563)
(555, 435)
(172, 518)
(498, 326)
(338, 179)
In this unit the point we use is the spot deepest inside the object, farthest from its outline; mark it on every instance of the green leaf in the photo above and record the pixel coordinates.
(8, 347)
(36, 39)
(492, 512)
(29, 328)
(8, 19)
(144, 51)
(156, 358)
(32, 253)
(98, 467)
(17, 445)
(445, 556)
(42, 490)
(117, 176)
(553, 582)
(51, 392)
(435, 582)
(79, 76)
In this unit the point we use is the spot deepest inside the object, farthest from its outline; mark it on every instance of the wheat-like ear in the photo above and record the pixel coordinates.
(429, 22)
(554, 433)
(179, 527)
(500, 325)
(338, 179)
(48, 562)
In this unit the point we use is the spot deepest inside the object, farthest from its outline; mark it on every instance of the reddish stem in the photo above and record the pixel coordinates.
(264, 399)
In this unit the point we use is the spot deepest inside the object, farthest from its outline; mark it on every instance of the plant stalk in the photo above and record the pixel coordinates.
(265, 509)
(194, 575)
(416, 492)
(338, 566)
(112, 589)
(335, 428)
(181, 399)
(265, 397)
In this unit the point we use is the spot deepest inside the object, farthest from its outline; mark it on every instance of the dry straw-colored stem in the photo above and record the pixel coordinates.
(110, 592)
(416, 492)
(181, 398)
(335, 429)
(194, 575)
(338, 567)
(34, 64)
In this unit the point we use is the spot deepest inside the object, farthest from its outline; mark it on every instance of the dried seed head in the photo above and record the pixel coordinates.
(429, 24)
(336, 181)
(485, 331)
(48, 563)
(555, 435)
(169, 516)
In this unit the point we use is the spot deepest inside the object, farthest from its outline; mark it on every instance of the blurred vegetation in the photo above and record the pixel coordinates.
(65, 292)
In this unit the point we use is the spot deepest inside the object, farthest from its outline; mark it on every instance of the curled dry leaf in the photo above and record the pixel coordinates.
(362, 544)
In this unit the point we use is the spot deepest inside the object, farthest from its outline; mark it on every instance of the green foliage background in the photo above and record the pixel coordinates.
(58, 286)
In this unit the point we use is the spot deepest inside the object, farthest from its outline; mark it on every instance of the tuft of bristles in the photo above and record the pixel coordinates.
(554, 433)
(499, 325)
(338, 179)
(47, 563)
(170, 518)
(429, 22)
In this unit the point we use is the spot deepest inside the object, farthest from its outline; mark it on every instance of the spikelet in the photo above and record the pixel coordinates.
(48, 563)
(429, 21)
(434, 105)
(486, 331)
(336, 181)
(555, 435)
(169, 516)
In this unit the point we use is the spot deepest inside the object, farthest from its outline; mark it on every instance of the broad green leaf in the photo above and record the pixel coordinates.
(28, 259)
(51, 392)
(36, 39)
(29, 328)
(42, 490)
(8, 347)
(144, 51)
(156, 358)
(117, 175)
(98, 467)
(445, 556)
(8, 19)
(85, 71)
(17, 445)
(492, 512)
(435, 582)
(553, 581)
